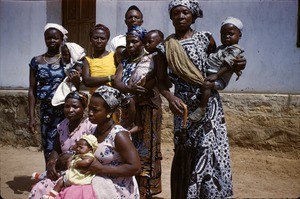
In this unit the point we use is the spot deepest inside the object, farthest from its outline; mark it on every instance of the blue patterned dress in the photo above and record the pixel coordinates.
(48, 78)
(211, 176)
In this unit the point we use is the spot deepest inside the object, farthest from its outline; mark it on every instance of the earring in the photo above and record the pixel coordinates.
(108, 116)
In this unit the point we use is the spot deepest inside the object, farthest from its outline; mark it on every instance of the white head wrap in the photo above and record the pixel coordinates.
(91, 139)
(234, 21)
(58, 27)
(76, 52)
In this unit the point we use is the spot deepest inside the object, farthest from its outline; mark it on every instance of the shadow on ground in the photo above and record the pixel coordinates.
(20, 184)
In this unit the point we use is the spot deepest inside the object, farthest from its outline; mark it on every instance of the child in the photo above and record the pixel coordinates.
(219, 64)
(72, 54)
(77, 172)
(141, 75)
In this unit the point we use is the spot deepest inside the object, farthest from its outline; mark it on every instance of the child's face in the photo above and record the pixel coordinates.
(82, 147)
(65, 54)
(151, 41)
(230, 35)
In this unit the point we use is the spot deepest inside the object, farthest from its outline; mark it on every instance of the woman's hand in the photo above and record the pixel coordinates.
(95, 167)
(239, 63)
(51, 171)
(74, 77)
(32, 126)
(176, 106)
(136, 89)
(211, 78)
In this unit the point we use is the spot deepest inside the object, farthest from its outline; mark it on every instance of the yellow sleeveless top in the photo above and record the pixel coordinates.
(101, 67)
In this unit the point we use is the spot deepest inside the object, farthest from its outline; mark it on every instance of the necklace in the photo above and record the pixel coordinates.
(138, 58)
(51, 55)
(44, 57)
(102, 132)
(70, 134)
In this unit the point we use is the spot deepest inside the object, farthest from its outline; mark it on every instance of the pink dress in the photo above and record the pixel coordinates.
(106, 186)
(85, 127)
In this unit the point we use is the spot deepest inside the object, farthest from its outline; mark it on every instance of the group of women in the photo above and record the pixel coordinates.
(128, 165)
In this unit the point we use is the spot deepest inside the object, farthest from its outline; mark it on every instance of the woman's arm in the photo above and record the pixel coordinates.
(51, 170)
(89, 81)
(84, 163)
(132, 88)
(164, 83)
(131, 164)
(32, 100)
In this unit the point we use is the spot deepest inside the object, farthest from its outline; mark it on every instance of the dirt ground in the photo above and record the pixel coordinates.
(256, 174)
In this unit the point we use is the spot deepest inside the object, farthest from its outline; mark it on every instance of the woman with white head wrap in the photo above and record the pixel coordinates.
(46, 73)
(182, 61)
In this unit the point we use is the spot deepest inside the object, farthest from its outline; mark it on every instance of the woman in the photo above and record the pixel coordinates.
(148, 103)
(69, 130)
(99, 69)
(117, 160)
(46, 73)
(211, 173)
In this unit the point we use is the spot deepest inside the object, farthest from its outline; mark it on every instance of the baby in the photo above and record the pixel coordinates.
(220, 64)
(77, 173)
(143, 76)
(72, 54)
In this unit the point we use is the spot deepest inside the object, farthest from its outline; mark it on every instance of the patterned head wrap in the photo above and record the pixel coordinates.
(110, 95)
(82, 97)
(58, 27)
(234, 21)
(91, 139)
(138, 31)
(193, 5)
(76, 52)
(100, 27)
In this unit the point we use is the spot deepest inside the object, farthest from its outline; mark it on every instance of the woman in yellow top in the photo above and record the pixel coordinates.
(99, 69)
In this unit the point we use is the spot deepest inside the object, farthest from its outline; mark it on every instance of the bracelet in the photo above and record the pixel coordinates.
(109, 78)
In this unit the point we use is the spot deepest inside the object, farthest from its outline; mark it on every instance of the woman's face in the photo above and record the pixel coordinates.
(98, 110)
(99, 39)
(53, 39)
(181, 17)
(73, 109)
(134, 46)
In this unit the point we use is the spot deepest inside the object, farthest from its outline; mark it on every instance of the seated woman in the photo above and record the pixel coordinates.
(69, 131)
(117, 161)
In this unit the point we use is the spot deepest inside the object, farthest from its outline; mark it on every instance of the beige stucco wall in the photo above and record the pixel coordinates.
(262, 121)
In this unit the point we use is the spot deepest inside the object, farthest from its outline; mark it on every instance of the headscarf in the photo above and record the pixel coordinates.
(76, 52)
(193, 5)
(234, 21)
(91, 139)
(138, 31)
(100, 27)
(110, 95)
(58, 27)
(82, 97)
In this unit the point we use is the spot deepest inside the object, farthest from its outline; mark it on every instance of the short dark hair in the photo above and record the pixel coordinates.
(133, 7)
(160, 33)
